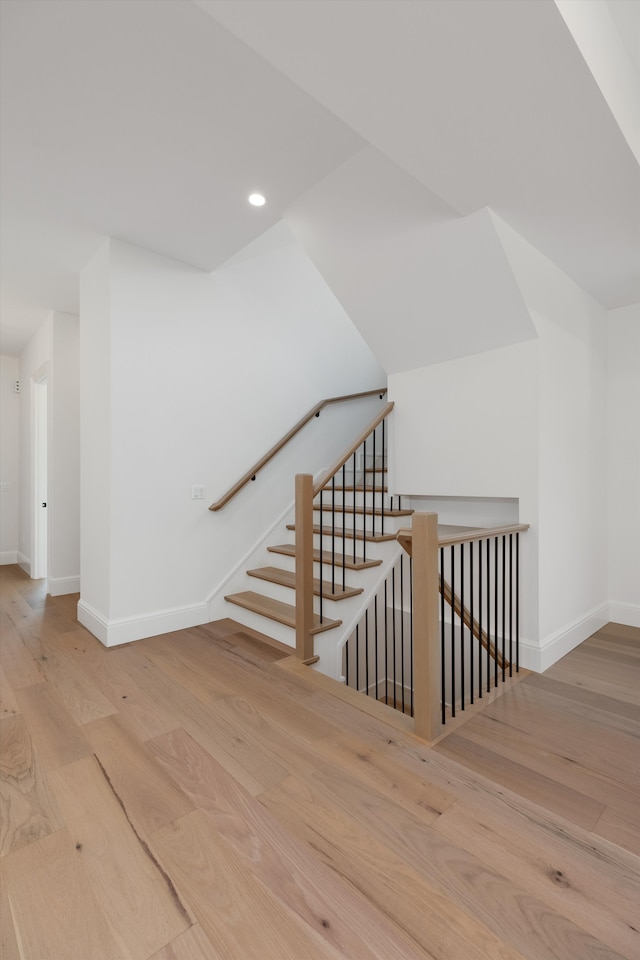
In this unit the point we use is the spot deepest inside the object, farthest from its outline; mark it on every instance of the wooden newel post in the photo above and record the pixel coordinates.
(426, 626)
(304, 566)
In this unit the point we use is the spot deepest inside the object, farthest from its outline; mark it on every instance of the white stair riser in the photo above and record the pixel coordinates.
(274, 629)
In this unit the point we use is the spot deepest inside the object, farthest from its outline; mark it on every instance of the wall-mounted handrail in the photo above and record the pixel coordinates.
(314, 412)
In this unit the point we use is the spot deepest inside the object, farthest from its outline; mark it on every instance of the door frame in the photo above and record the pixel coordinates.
(40, 472)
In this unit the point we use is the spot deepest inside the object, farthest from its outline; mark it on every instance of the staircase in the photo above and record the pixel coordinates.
(354, 519)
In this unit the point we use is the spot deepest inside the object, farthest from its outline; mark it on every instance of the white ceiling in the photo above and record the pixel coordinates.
(151, 120)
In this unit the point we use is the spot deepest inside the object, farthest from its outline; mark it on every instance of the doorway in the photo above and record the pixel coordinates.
(40, 485)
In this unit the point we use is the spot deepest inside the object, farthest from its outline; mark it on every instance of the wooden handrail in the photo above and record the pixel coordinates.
(324, 479)
(314, 412)
(450, 535)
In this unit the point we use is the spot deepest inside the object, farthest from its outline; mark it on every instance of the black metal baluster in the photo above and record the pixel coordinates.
(364, 501)
(489, 615)
(357, 659)
(495, 609)
(393, 592)
(510, 604)
(410, 560)
(471, 612)
(353, 515)
(411, 625)
(321, 545)
(452, 644)
(443, 672)
(480, 619)
(386, 644)
(347, 647)
(373, 485)
(366, 648)
(333, 534)
(462, 658)
(402, 628)
(517, 602)
(344, 515)
(375, 613)
(382, 476)
(504, 598)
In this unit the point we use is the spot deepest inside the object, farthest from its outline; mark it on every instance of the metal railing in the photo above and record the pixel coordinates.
(349, 499)
(377, 659)
(453, 625)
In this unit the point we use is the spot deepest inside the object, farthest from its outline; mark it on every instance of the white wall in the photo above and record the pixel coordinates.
(623, 463)
(395, 265)
(95, 437)
(193, 377)
(528, 422)
(63, 574)
(54, 350)
(468, 428)
(572, 531)
(9, 459)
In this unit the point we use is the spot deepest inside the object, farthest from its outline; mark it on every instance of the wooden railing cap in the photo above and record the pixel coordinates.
(451, 534)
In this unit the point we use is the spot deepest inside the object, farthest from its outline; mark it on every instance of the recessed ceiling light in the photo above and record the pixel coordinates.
(257, 200)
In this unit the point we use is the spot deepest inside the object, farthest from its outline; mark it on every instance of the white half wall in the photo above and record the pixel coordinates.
(623, 464)
(188, 378)
(9, 459)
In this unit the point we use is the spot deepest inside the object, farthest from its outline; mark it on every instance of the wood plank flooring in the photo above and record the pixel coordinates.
(198, 796)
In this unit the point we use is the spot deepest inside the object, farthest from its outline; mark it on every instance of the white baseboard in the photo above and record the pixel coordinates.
(626, 613)
(24, 563)
(60, 586)
(95, 623)
(540, 657)
(112, 633)
(8, 556)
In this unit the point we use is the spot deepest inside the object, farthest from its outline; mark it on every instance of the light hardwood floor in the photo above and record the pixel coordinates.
(197, 797)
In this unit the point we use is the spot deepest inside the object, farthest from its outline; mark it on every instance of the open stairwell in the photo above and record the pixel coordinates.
(423, 619)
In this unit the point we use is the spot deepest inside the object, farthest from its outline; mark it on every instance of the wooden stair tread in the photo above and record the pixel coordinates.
(287, 578)
(289, 550)
(277, 610)
(377, 512)
(349, 534)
